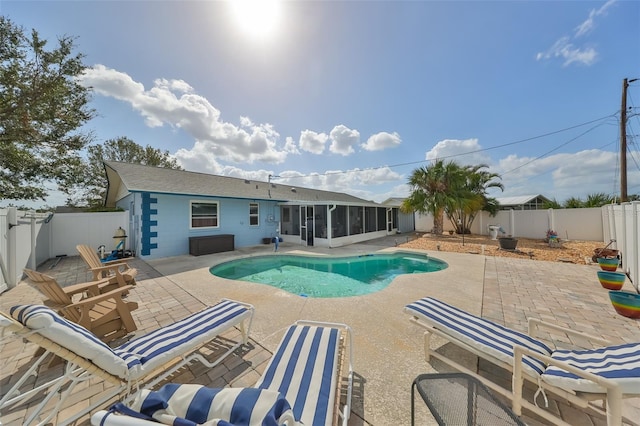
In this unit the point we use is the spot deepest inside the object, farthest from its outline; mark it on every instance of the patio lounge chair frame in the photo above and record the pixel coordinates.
(307, 368)
(613, 395)
(161, 364)
(298, 352)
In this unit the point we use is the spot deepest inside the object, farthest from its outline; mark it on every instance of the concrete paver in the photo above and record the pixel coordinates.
(388, 350)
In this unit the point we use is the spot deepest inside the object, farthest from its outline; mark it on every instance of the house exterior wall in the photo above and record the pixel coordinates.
(406, 222)
(161, 222)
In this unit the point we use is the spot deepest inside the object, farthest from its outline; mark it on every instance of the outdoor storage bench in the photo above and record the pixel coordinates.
(208, 244)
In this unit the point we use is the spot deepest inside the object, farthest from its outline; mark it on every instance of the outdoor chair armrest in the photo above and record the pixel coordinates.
(84, 307)
(536, 324)
(91, 288)
(113, 294)
(116, 262)
(114, 269)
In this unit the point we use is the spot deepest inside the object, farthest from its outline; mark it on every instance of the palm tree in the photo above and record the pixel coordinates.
(433, 190)
(552, 204)
(573, 203)
(472, 197)
(598, 199)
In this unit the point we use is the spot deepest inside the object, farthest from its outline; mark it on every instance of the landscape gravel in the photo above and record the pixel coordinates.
(579, 252)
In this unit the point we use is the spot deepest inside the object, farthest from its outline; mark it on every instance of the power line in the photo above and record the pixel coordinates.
(632, 143)
(472, 152)
(554, 149)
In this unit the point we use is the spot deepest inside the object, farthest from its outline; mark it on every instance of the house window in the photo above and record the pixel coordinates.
(204, 215)
(254, 214)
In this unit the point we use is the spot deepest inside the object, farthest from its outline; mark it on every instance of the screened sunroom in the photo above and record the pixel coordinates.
(335, 225)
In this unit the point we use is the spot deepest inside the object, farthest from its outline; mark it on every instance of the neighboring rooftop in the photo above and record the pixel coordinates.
(523, 202)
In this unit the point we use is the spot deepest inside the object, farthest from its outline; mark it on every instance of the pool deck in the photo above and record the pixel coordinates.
(388, 350)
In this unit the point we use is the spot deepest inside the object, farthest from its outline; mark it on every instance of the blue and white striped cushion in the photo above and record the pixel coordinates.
(484, 335)
(304, 370)
(134, 359)
(620, 363)
(190, 405)
(69, 335)
(148, 352)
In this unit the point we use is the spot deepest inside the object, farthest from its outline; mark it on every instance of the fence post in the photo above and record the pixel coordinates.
(633, 267)
(512, 223)
(12, 223)
(32, 259)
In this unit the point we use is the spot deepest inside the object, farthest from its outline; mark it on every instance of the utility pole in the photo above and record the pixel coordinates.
(623, 140)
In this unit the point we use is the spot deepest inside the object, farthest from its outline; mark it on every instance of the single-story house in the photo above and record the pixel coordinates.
(175, 212)
(523, 202)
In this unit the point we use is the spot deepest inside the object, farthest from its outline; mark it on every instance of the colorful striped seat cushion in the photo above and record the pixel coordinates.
(620, 363)
(304, 369)
(190, 405)
(134, 359)
(483, 335)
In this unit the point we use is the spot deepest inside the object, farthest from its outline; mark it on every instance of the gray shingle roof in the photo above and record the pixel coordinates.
(126, 177)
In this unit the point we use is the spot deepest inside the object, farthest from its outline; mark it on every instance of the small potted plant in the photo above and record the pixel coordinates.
(551, 234)
(508, 242)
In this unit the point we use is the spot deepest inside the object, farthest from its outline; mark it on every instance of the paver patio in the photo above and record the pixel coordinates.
(387, 349)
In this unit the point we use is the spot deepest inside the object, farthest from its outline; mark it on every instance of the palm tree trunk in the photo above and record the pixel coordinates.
(438, 222)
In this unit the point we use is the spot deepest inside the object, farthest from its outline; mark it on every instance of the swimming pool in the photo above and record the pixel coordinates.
(326, 277)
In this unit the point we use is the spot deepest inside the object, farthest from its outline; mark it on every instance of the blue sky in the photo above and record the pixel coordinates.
(352, 96)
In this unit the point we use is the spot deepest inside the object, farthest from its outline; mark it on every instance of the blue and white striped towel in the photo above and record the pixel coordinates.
(191, 405)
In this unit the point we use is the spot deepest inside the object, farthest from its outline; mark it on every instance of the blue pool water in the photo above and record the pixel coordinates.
(327, 276)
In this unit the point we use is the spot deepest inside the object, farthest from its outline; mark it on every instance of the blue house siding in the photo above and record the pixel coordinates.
(165, 223)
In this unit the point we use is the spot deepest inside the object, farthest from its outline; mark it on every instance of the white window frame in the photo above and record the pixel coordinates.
(192, 202)
(256, 215)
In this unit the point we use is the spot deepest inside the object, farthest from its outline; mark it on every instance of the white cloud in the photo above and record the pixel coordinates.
(313, 142)
(570, 53)
(174, 102)
(563, 175)
(399, 191)
(108, 82)
(382, 140)
(358, 182)
(464, 152)
(343, 139)
(565, 48)
(588, 25)
(290, 146)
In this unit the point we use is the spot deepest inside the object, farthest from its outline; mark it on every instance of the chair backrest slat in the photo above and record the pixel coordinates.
(89, 256)
(48, 286)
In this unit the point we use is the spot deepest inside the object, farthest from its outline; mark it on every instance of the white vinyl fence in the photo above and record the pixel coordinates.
(621, 224)
(570, 224)
(28, 239)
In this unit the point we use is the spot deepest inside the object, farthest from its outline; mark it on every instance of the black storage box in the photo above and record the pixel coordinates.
(211, 244)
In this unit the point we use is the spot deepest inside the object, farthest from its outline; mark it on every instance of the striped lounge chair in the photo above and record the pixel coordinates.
(610, 372)
(302, 384)
(307, 369)
(144, 361)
